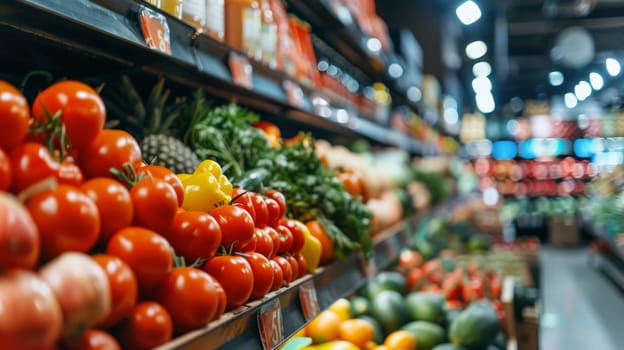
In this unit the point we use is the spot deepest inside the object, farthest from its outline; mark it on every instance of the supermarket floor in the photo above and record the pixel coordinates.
(582, 308)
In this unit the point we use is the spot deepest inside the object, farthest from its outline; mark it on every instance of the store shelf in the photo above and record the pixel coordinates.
(600, 232)
(98, 37)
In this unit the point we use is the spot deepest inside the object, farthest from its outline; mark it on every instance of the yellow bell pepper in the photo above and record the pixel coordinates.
(311, 250)
(207, 188)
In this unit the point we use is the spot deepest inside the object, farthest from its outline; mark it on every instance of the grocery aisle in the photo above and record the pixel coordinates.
(581, 308)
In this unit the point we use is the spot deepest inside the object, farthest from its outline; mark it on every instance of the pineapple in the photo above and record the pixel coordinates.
(150, 122)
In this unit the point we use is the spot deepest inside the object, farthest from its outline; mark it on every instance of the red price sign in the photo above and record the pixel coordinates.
(270, 324)
(294, 93)
(309, 301)
(241, 69)
(155, 29)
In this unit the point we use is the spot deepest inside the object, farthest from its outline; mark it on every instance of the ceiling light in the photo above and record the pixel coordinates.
(570, 100)
(468, 12)
(596, 80)
(476, 49)
(613, 67)
(414, 94)
(395, 70)
(481, 69)
(481, 85)
(582, 90)
(555, 78)
(485, 102)
(451, 117)
(373, 45)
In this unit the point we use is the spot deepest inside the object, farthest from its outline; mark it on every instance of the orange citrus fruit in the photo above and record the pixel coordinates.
(324, 328)
(358, 332)
(400, 340)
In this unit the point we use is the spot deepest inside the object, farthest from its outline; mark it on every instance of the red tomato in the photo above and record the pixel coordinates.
(352, 182)
(415, 279)
(222, 297)
(5, 169)
(31, 162)
(280, 199)
(67, 220)
(249, 246)
(237, 227)
(287, 270)
(286, 239)
(262, 274)
(190, 296)
(294, 264)
(296, 229)
(69, 174)
(155, 204)
(114, 205)
(148, 326)
(409, 259)
(82, 110)
(264, 242)
(94, 339)
(169, 176)
(123, 287)
(275, 237)
(303, 264)
(194, 235)
(14, 116)
(273, 209)
(20, 242)
(242, 198)
(235, 275)
(262, 212)
(147, 253)
(473, 289)
(110, 149)
(496, 287)
(278, 275)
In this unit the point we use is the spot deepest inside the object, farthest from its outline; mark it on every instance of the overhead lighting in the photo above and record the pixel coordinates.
(395, 70)
(485, 102)
(613, 67)
(481, 69)
(582, 90)
(414, 94)
(451, 116)
(476, 49)
(481, 85)
(596, 81)
(570, 100)
(555, 78)
(373, 45)
(468, 12)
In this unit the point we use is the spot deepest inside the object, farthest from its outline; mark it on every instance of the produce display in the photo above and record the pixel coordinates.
(159, 226)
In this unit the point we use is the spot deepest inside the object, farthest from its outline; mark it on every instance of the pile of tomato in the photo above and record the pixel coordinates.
(95, 247)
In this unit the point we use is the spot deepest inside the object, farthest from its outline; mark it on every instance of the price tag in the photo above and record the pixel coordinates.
(241, 69)
(270, 325)
(369, 269)
(155, 29)
(309, 301)
(294, 93)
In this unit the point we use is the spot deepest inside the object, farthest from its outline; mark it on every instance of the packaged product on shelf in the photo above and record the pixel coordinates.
(268, 37)
(172, 7)
(243, 24)
(214, 17)
(306, 71)
(194, 12)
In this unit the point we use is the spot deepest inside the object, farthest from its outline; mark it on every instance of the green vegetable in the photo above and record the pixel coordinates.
(476, 327)
(426, 307)
(388, 307)
(428, 335)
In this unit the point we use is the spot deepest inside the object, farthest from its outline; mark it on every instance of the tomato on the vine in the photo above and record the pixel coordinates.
(114, 205)
(70, 174)
(5, 171)
(262, 212)
(237, 227)
(155, 204)
(297, 230)
(148, 326)
(242, 198)
(94, 339)
(190, 296)
(262, 274)
(169, 176)
(286, 238)
(278, 275)
(147, 253)
(294, 264)
(31, 162)
(286, 267)
(82, 110)
(275, 237)
(280, 199)
(303, 264)
(67, 220)
(264, 242)
(249, 246)
(194, 235)
(235, 275)
(273, 210)
(111, 148)
(123, 287)
(14, 116)
(222, 297)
